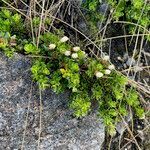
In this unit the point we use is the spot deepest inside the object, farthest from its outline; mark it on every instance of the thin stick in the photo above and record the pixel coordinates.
(26, 120)
(118, 37)
(40, 26)
(40, 122)
(131, 133)
(139, 19)
(135, 137)
(134, 51)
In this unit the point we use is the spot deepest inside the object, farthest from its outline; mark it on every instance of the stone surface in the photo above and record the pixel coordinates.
(131, 61)
(20, 114)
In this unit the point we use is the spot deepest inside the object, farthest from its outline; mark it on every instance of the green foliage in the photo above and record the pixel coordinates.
(36, 22)
(71, 74)
(11, 23)
(40, 73)
(110, 91)
(11, 28)
(7, 43)
(4, 39)
(91, 8)
(91, 4)
(97, 91)
(80, 104)
(58, 65)
(119, 86)
(134, 11)
(30, 48)
(57, 83)
(93, 66)
(78, 74)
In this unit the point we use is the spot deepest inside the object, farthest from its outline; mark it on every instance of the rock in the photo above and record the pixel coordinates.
(138, 68)
(59, 131)
(131, 61)
(79, 2)
(82, 26)
(124, 66)
(121, 126)
(125, 56)
(147, 138)
(104, 9)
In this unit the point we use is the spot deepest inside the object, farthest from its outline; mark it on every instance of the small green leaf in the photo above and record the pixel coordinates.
(30, 48)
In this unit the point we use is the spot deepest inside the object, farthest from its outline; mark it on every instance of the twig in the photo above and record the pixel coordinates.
(40, 119)
(26, 120)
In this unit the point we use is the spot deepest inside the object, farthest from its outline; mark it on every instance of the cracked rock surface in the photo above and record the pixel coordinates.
(20, 114)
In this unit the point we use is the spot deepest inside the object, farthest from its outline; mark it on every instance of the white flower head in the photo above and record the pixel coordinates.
(111, 67)
(84, 55)
(106, 57)
(52, 46)
(98, 74)
(111, 10)
(84, 52)
(107, 71)
(67, 53)
(74, 55)
(64, 39)
(76, 48)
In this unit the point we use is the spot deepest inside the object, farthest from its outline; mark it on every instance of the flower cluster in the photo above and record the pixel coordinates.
(107, 71)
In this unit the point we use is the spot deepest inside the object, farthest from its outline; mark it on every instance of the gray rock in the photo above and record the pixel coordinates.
(83, 27)
(79, 2)
(60, 131)
(131, 61)
(104, 8)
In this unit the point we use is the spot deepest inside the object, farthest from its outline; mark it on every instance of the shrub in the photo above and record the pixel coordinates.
(133, 11)
(61, 66)
(111, 92)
